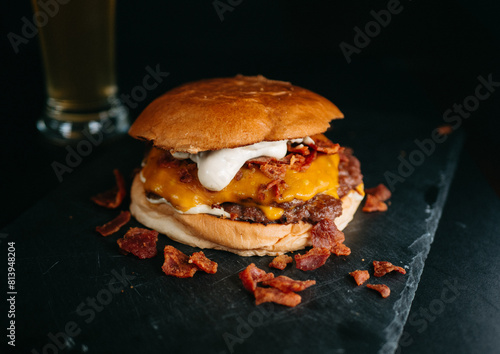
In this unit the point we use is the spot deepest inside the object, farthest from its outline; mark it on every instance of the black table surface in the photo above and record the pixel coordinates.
(456, 307)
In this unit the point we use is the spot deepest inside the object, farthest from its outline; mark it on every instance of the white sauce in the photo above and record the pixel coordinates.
(217, 168)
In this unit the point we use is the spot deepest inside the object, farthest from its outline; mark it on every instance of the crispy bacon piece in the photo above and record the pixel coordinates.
(381, 192)
(113, 197)
(307, 162)
(281, 261)
(381, 268)
(177, 263)
(445, 129)
(274, 295)
(139, 242)
(274, 170)
(313, 259)
(360, 276)
(275, 185)
(325, 234)
(287, 284)
(114, 225)
(374, 204)
(296, 161)
(203, 263)
(300, 149)
(252, 275)
(381, 288)
(326, 147)
(341, 250)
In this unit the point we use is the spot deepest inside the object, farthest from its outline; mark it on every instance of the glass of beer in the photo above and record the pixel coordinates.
(77, 43)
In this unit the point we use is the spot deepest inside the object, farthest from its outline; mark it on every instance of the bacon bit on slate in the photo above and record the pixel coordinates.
(203, 263)
(381, 268)
(139, 242)
(252, 275)
(341, 250)
(114, 197)
(313, 259)
(445, 129)
(114, 225)
(281, 261)
(374, 204)
(360, 276)
(177, 263)
(287, 284)
(274, 295)
(381, 192)
(381, 288)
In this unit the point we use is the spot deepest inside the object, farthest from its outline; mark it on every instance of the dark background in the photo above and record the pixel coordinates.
(426, 60)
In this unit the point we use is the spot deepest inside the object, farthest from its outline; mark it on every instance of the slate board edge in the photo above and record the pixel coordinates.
(402, 307)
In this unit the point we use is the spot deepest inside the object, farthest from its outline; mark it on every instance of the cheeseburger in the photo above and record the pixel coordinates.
(240, 164)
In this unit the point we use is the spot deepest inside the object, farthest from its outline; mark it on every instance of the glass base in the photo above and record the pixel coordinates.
(63, 127)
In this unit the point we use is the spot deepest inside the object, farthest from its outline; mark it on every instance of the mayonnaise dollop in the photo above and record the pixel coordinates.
(217, 168)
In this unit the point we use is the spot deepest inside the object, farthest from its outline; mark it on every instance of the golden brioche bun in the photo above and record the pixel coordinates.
(240, 237)
(222, 113)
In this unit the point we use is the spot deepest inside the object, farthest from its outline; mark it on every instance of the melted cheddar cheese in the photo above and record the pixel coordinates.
(320, 177)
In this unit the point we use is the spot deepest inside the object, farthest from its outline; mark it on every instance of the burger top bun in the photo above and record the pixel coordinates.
(222, 113)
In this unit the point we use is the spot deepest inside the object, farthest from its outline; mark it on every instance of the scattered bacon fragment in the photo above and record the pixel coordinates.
(281, 261)
(381, 288)
(274, 295)
(113, 197)
(374, 204)
(341, 250)
(287, 284)
(381, 268)
(445, 129)
(176, 263)
(203, 263)
(313, 259)
(140, 242)
(114, 225)
(381, 192)
(252, 275)
(325, 234)
(360, 276)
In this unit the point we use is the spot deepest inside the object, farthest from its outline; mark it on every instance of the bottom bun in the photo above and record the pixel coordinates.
(240, 237)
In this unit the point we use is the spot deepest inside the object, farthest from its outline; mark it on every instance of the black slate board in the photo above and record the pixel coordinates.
(62, 264)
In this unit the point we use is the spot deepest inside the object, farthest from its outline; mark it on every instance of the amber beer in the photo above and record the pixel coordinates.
(77, 43)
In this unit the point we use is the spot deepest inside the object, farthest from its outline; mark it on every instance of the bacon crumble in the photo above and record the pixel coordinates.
(287, 284)
(277, 296)
(381, 268)
(313, 259)
(383, 289)
(112, 198)
(360, 276)
(373, 204)
(280, 261)
(381, 192)
(203, 263)
(252, 275)
(177, 263)
(140, 242)
(114, 225)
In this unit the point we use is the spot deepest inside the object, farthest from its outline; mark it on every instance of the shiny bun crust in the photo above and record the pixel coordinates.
(222, 113)
(240, 237)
